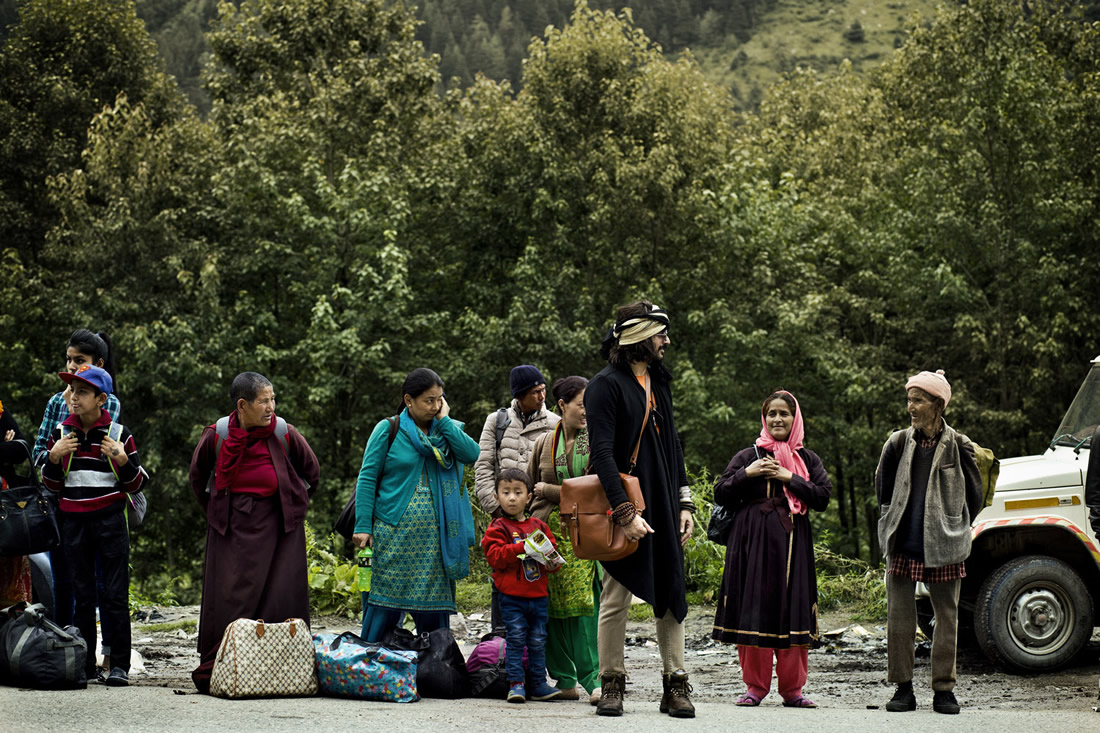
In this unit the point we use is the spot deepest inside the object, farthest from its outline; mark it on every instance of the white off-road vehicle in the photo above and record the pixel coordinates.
(1033, 576)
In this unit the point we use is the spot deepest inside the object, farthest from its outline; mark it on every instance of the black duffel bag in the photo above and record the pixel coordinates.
(440, 668)
(28, 516)
(36, 652)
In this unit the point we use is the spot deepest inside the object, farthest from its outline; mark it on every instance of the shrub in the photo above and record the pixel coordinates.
(333, 580)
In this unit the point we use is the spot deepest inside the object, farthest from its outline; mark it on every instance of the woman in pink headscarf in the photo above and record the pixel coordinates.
(768, 602)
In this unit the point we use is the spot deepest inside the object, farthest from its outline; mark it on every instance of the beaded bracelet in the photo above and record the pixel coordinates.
(624, 514)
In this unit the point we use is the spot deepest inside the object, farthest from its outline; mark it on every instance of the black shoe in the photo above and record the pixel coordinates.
(945, 702)
(118, 678)
(903, 700)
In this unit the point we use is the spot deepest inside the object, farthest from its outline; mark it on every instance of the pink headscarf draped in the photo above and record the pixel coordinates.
(786, 450)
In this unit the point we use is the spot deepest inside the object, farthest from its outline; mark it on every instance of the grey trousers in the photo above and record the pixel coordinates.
(611, 631)
(901, 630)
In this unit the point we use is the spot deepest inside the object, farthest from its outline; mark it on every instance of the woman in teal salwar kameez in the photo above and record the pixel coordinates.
(410, 508)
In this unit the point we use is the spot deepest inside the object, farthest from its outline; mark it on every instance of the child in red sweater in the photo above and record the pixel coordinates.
(519, 574)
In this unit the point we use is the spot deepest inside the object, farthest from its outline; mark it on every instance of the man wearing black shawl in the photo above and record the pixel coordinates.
(615, 406)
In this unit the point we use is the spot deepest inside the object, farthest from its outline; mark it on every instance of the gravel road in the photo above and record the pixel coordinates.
(847, 679)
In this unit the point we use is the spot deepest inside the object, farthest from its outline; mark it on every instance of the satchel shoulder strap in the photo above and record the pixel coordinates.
(638, 444)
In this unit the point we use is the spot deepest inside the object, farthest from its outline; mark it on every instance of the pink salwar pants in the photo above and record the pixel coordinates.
(791, 667)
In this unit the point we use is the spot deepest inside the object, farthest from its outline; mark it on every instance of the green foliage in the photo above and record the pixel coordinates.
(165, 597)
(333, 580)
(704, 561)
(849, 583)
(335, 222)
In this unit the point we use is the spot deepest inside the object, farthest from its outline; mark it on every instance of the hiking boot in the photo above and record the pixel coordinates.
(611, 696)
(119, 678)
(517, 693)
(677, 698)
(945, 702)
(903, 700)
(542, 692)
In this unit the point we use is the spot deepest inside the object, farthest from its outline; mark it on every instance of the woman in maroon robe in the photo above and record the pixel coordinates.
(252, 474)
(768, 602)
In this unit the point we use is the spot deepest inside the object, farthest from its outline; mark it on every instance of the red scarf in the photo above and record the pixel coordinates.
(232, 449)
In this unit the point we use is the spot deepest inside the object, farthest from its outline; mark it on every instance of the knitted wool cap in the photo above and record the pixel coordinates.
(523, 378)
(934, 383)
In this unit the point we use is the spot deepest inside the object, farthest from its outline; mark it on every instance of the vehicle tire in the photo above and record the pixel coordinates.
(1033, 614)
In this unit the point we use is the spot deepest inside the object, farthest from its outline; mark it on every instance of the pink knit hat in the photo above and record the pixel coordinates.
(934, 383)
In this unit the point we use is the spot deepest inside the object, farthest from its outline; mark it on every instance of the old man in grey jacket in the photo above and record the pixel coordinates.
(929, 491)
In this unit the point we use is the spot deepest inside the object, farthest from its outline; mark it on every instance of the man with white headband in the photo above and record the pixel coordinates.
(929, 491)
(615, 404)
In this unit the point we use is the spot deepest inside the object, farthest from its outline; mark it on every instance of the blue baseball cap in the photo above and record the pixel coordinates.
(93, 375)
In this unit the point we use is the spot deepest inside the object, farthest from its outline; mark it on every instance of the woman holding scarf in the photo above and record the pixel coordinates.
(411, 509)
(563, 453)
(252, 473)
(768, 601)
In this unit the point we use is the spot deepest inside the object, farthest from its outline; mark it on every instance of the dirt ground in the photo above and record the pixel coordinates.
(849, 670)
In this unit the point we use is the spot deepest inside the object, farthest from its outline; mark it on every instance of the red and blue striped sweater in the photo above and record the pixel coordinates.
(88, 480)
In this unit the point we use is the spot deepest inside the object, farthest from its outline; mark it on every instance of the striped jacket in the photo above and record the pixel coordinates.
(87, 480)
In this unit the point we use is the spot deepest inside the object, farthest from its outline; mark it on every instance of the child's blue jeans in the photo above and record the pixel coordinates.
(525, 625)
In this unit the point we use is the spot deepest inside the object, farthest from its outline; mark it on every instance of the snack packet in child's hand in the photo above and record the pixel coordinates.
(538, 546)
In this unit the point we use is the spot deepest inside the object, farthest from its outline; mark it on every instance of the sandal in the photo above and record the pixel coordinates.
(748, 700)
(800, 702)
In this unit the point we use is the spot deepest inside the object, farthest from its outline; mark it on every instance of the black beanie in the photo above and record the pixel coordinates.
(523, 378)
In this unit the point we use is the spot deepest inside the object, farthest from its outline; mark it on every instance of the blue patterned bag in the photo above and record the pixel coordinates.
(347, 666)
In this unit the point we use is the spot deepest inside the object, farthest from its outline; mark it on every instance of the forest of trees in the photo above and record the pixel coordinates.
(335, 221)
(469, 36)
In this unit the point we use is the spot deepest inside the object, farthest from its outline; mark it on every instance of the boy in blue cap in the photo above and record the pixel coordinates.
(93, 463)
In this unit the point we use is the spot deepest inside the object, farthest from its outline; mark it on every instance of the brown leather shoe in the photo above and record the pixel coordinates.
(611, 699)
(677, 698)
(570, 694)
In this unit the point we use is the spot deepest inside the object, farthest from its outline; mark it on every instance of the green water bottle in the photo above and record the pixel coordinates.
(365, 556)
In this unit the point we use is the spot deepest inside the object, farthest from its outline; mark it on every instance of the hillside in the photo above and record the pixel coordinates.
(744, 45)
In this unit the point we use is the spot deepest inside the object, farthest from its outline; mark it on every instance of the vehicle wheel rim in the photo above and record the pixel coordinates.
(1040, 619)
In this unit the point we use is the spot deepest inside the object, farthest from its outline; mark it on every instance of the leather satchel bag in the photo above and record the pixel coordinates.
(586, 511)
(265, 660)
(28, 516)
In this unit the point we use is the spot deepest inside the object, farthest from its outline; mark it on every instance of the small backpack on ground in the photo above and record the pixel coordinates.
(36, 652)
(486, 665)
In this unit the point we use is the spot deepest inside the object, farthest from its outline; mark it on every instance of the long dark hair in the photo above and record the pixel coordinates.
(623, 356)
(418, 382)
